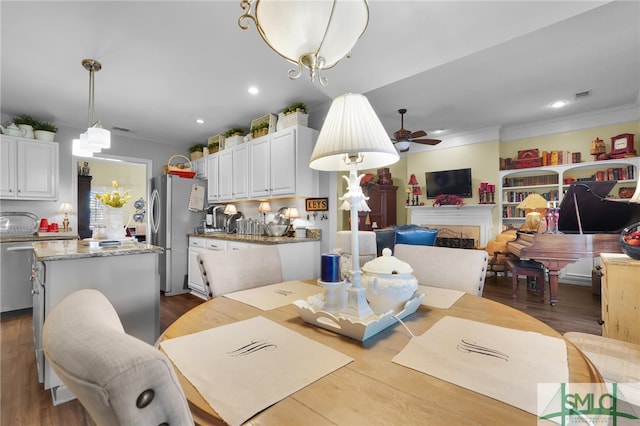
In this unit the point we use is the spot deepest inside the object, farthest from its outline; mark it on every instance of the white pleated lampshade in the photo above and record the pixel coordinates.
(352, 128)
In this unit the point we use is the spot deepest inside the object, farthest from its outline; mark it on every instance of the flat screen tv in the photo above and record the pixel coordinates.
(450, 182)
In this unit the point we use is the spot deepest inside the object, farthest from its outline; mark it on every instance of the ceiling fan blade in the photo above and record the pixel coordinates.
(427, 141)
(418, 134)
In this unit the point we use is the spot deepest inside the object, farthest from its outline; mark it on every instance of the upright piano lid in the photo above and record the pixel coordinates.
(597, 213)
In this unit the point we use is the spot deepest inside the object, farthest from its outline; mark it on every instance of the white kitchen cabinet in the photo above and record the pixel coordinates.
(197, 246)
(232, 176)
(279, 164)
(213, 190)
(29, 169)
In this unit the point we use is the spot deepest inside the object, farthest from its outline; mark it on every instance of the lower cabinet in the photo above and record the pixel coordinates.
(620, 297)
(300, 260)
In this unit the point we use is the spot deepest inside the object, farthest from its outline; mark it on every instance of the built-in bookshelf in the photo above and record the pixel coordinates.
(552, 181)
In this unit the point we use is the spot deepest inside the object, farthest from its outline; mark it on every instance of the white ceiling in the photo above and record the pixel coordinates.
(458, 65)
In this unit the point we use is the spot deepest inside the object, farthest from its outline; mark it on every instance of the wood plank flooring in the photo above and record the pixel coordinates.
(24, 402)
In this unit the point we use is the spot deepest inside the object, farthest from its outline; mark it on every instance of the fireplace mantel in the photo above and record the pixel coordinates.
(468, 214)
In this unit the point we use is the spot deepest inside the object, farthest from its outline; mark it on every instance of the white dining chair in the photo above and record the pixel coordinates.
(118, 379)
(459, 269)
(367, 248)
(233, 270)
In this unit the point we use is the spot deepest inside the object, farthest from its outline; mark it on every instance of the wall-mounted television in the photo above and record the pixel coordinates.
(450, 182)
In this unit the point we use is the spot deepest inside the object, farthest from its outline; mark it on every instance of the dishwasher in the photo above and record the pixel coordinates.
(16, 251)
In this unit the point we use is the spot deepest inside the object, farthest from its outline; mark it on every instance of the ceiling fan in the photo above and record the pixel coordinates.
(402, 138)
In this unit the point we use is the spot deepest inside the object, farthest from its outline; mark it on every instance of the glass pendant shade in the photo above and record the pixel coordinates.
(82, 148)
(312, 34)
(352, 132)
(99, 137)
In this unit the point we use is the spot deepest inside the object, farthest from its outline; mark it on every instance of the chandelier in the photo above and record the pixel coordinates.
(95, 138)
(313, 35)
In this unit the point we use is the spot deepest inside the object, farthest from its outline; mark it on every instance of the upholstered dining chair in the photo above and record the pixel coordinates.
(118, 379)
(459, 269)
(233, 270)
(367, 248)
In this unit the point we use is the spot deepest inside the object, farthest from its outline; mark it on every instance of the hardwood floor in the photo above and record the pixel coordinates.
(24, 402)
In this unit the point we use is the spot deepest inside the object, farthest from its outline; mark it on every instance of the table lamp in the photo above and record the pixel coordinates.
(352, 138)
(291, 213)
(65, 208)
(263, 208)
(530, 205)
(230, 209)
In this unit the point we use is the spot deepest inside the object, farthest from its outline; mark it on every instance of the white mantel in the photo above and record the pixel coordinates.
(469, 214)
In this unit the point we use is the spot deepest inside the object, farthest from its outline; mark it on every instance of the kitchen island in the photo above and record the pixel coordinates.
(127, 274)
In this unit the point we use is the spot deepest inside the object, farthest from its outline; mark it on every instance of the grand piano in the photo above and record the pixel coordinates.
(589, 224)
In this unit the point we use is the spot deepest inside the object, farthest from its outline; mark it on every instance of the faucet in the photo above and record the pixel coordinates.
(213, 213)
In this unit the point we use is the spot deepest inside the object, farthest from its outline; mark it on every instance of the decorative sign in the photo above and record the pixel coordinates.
(317, 204)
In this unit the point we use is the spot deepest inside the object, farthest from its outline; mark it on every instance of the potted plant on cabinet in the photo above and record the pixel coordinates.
(294, 114)
(44, 131)
(260, 129)
(25, 123)
(195, 151)
(214, 147)
(233, 136)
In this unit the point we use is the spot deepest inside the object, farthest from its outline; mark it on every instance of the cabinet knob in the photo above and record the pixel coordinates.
(600, 321)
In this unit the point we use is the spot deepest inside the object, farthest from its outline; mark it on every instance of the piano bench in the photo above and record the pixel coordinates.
(528, 268)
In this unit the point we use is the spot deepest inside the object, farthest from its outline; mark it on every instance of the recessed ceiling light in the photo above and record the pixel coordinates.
(199, 121)
(437, 131)
(254, 90)
(559, 104)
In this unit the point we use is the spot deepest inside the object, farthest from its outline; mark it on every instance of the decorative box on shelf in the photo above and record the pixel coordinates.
(295, 118)
(219, 139)
(272, 119)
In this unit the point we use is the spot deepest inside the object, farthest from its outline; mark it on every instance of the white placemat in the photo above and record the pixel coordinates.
(274, 296)
(437, 297)
(242, 368)
(499, 362)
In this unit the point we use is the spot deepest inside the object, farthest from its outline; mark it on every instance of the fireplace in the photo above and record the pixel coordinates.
(478, 216)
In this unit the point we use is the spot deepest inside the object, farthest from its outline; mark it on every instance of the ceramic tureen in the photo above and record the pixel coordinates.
(389, 281)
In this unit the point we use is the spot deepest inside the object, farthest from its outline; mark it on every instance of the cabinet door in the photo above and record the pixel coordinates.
(283, 163)
(213, 190)
(259, 167)
(195, 276)
(37, 170)
(225, 177)
(239, 173)
(7, 168)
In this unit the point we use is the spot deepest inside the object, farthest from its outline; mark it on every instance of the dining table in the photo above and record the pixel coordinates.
(372, 389)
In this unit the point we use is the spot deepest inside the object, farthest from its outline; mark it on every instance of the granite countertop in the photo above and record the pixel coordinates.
(255, 239)
(35, 237)
(76, 249)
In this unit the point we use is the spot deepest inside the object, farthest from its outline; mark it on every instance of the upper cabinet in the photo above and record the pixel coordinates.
(279, 164)
(213, 192)
(232, 173)
(29, 169)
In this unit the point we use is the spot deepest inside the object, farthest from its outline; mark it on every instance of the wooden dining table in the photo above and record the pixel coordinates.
(372, 389)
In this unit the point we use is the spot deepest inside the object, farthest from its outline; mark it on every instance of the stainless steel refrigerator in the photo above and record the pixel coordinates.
(171, 221)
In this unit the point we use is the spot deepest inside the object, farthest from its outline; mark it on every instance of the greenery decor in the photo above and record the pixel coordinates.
(43, 125)
(295, 107)
(197, 147)
(25, 119)
(235, 131)
(263, 125)
(213, 146)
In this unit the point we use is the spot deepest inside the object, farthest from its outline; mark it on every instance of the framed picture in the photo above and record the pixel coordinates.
(622, 146)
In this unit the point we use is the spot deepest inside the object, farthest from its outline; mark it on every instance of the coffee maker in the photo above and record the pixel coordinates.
(215, 218)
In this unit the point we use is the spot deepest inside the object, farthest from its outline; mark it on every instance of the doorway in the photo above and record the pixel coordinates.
(131, 174)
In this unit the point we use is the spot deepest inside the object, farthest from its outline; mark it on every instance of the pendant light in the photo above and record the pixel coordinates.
(95, 138)
(310, 34)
